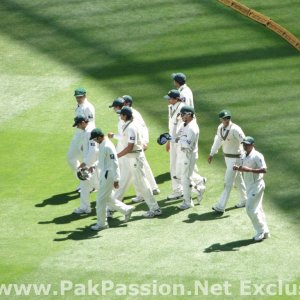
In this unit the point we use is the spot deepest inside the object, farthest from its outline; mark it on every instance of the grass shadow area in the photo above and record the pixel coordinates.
(208, 216)
(59, 199)
(231, 246)
(81, 233)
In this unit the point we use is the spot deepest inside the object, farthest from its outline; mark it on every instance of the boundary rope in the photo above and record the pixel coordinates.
(264, 20)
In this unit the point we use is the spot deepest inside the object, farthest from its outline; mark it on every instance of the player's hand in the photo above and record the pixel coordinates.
(110, 135)
(116, 184)
(91, 169)
(82, 165)
(210, 159)
(168, 146)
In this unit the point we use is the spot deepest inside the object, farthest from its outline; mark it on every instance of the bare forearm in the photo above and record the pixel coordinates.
(247, 169)
(126, 150)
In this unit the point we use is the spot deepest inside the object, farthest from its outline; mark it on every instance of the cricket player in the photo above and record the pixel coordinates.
(188, 155)
(90, 152)
(172, 146)
(84, 107)
(254, 167)
(125, 173)
(145, 139)
(186, 94)
(133, 152)
(229, 136)
(109, 174)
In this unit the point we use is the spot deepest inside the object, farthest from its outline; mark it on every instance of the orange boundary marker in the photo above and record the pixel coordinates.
(264, 20)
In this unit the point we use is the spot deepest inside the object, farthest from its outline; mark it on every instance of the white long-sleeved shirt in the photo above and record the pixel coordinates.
(229, 138)
(175, 119)
(254, 160)
(89, 147)
(87, 109)
(189, 137)
(186, 95)
(108, 160)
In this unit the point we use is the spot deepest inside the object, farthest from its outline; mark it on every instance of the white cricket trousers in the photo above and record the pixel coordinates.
(176, 183)
(186, 162)
(125, 178)
(137, 166)
(254, 207)
(149, 175)
(104, 199)
(232, 177)
(85, 187)
(74, 154)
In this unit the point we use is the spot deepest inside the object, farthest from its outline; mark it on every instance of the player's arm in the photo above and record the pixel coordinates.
(92, 155)
(248, 169)
(126, 150)
(112, 156)
(215, 147)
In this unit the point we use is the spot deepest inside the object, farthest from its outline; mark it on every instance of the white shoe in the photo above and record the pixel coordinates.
(156, 191)
(200, 191)
(109, 213)
(80, 211)
(218, 210)
(128, 214)
(184, 206)
(240, 205)
(152, 213)
(137, 199)
(175, 196)
(259, 237)
(99, 227)
(267, 235)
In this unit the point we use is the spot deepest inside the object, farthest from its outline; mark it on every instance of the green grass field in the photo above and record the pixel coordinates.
(48, 48)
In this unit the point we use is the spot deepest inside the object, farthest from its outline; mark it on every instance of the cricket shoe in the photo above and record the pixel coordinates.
(152, 213)
(97, 227)
(184, 205)
(259, 237)
(267, 235)
(175, 196)
(128, 214)
(137, 199)
(217, 210)
(80, 211)
(240, 205)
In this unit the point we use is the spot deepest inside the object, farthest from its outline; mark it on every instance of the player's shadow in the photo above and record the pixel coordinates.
(233, 208)
(82, 233)
(167, 207)
(66, 219)
(208, 216)
(59, 199)
(231, 246)
(163, 178)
